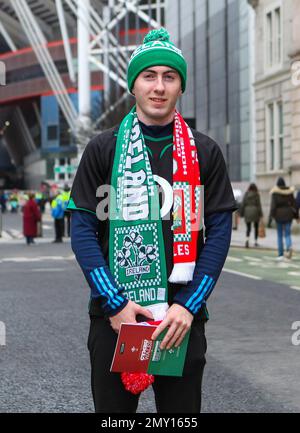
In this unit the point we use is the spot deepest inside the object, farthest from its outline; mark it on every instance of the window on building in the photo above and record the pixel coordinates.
(52, 132)
(275, 136)
(273, 37)
(278, 35)
(271, 136)
(269, 39)
(280, 137)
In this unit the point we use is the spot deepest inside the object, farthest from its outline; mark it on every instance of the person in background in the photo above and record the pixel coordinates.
(283, 210)
(31, 216)
(236, 215)
(23, 198)
(57, 212)
(252, 212)
(39, 198)
(298, 201)
(67, 215)
(45, 190)
(3, 201)
(14, 202)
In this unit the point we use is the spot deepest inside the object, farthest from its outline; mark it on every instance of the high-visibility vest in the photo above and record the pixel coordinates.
(58, 207)
(66, 197)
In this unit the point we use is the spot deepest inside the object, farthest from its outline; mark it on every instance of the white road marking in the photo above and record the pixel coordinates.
(21, 259)
(233, 259)
(47, 270)
(269, 258)
(241, 274)
(15, 234)
(286, 265)
(252, 259)
(6, 235)
(295, 288)
(51, 258)
(36, 259)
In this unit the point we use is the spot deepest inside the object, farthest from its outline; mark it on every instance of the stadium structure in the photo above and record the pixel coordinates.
(63, 79)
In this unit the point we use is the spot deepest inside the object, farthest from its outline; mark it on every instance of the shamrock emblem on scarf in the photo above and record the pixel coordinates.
(134, 238)
(134, 253)
(122, 257)
(148, 253)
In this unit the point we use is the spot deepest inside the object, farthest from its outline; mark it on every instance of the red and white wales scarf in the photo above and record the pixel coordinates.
(186, 206)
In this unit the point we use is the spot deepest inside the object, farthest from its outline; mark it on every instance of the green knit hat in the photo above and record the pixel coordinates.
(156, 50)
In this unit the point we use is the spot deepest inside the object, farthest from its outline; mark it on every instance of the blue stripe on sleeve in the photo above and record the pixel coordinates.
(109, 284)
(89, 255)
(197, 304)
(101, 291)
(106, 290)
(192, 298)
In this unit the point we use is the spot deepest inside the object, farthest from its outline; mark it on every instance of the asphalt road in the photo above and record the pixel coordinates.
(252, 365)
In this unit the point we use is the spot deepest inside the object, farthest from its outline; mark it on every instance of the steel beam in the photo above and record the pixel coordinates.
(39, 45)
(65, 36)
(7, 37)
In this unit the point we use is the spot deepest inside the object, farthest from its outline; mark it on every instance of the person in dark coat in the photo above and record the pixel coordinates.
(252, 212)
(298, 200)
(283, 210)
(31, 216)
(3, 201)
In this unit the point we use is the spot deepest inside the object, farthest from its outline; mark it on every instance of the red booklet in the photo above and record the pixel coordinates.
(135, 352)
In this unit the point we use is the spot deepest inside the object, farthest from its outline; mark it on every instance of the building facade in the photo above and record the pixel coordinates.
(215, 37)
(277, 93)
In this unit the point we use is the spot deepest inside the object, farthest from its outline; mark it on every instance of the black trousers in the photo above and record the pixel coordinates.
(255, 230)
(67, 217)
(59, 225)
(172, 394)
(29, 240)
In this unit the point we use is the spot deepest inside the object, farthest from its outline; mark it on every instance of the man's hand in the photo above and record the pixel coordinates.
(128, 315)
(179, 319)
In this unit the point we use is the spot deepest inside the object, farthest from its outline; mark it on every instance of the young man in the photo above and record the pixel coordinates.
(149, 258)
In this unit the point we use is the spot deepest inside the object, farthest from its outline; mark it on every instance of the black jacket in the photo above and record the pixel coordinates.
(283, 204)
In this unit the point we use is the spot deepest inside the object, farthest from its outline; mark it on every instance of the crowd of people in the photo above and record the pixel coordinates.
(284, 208)
(32, 205)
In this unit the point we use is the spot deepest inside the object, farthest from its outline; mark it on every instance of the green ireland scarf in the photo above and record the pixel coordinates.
(136, 244)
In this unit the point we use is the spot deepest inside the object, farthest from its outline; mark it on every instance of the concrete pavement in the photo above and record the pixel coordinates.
(252, 365)
(238, 237)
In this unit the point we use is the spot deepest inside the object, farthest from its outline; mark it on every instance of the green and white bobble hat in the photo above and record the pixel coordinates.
(156, 50)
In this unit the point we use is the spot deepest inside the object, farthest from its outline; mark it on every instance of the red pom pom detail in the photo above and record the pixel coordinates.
(136, 382)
